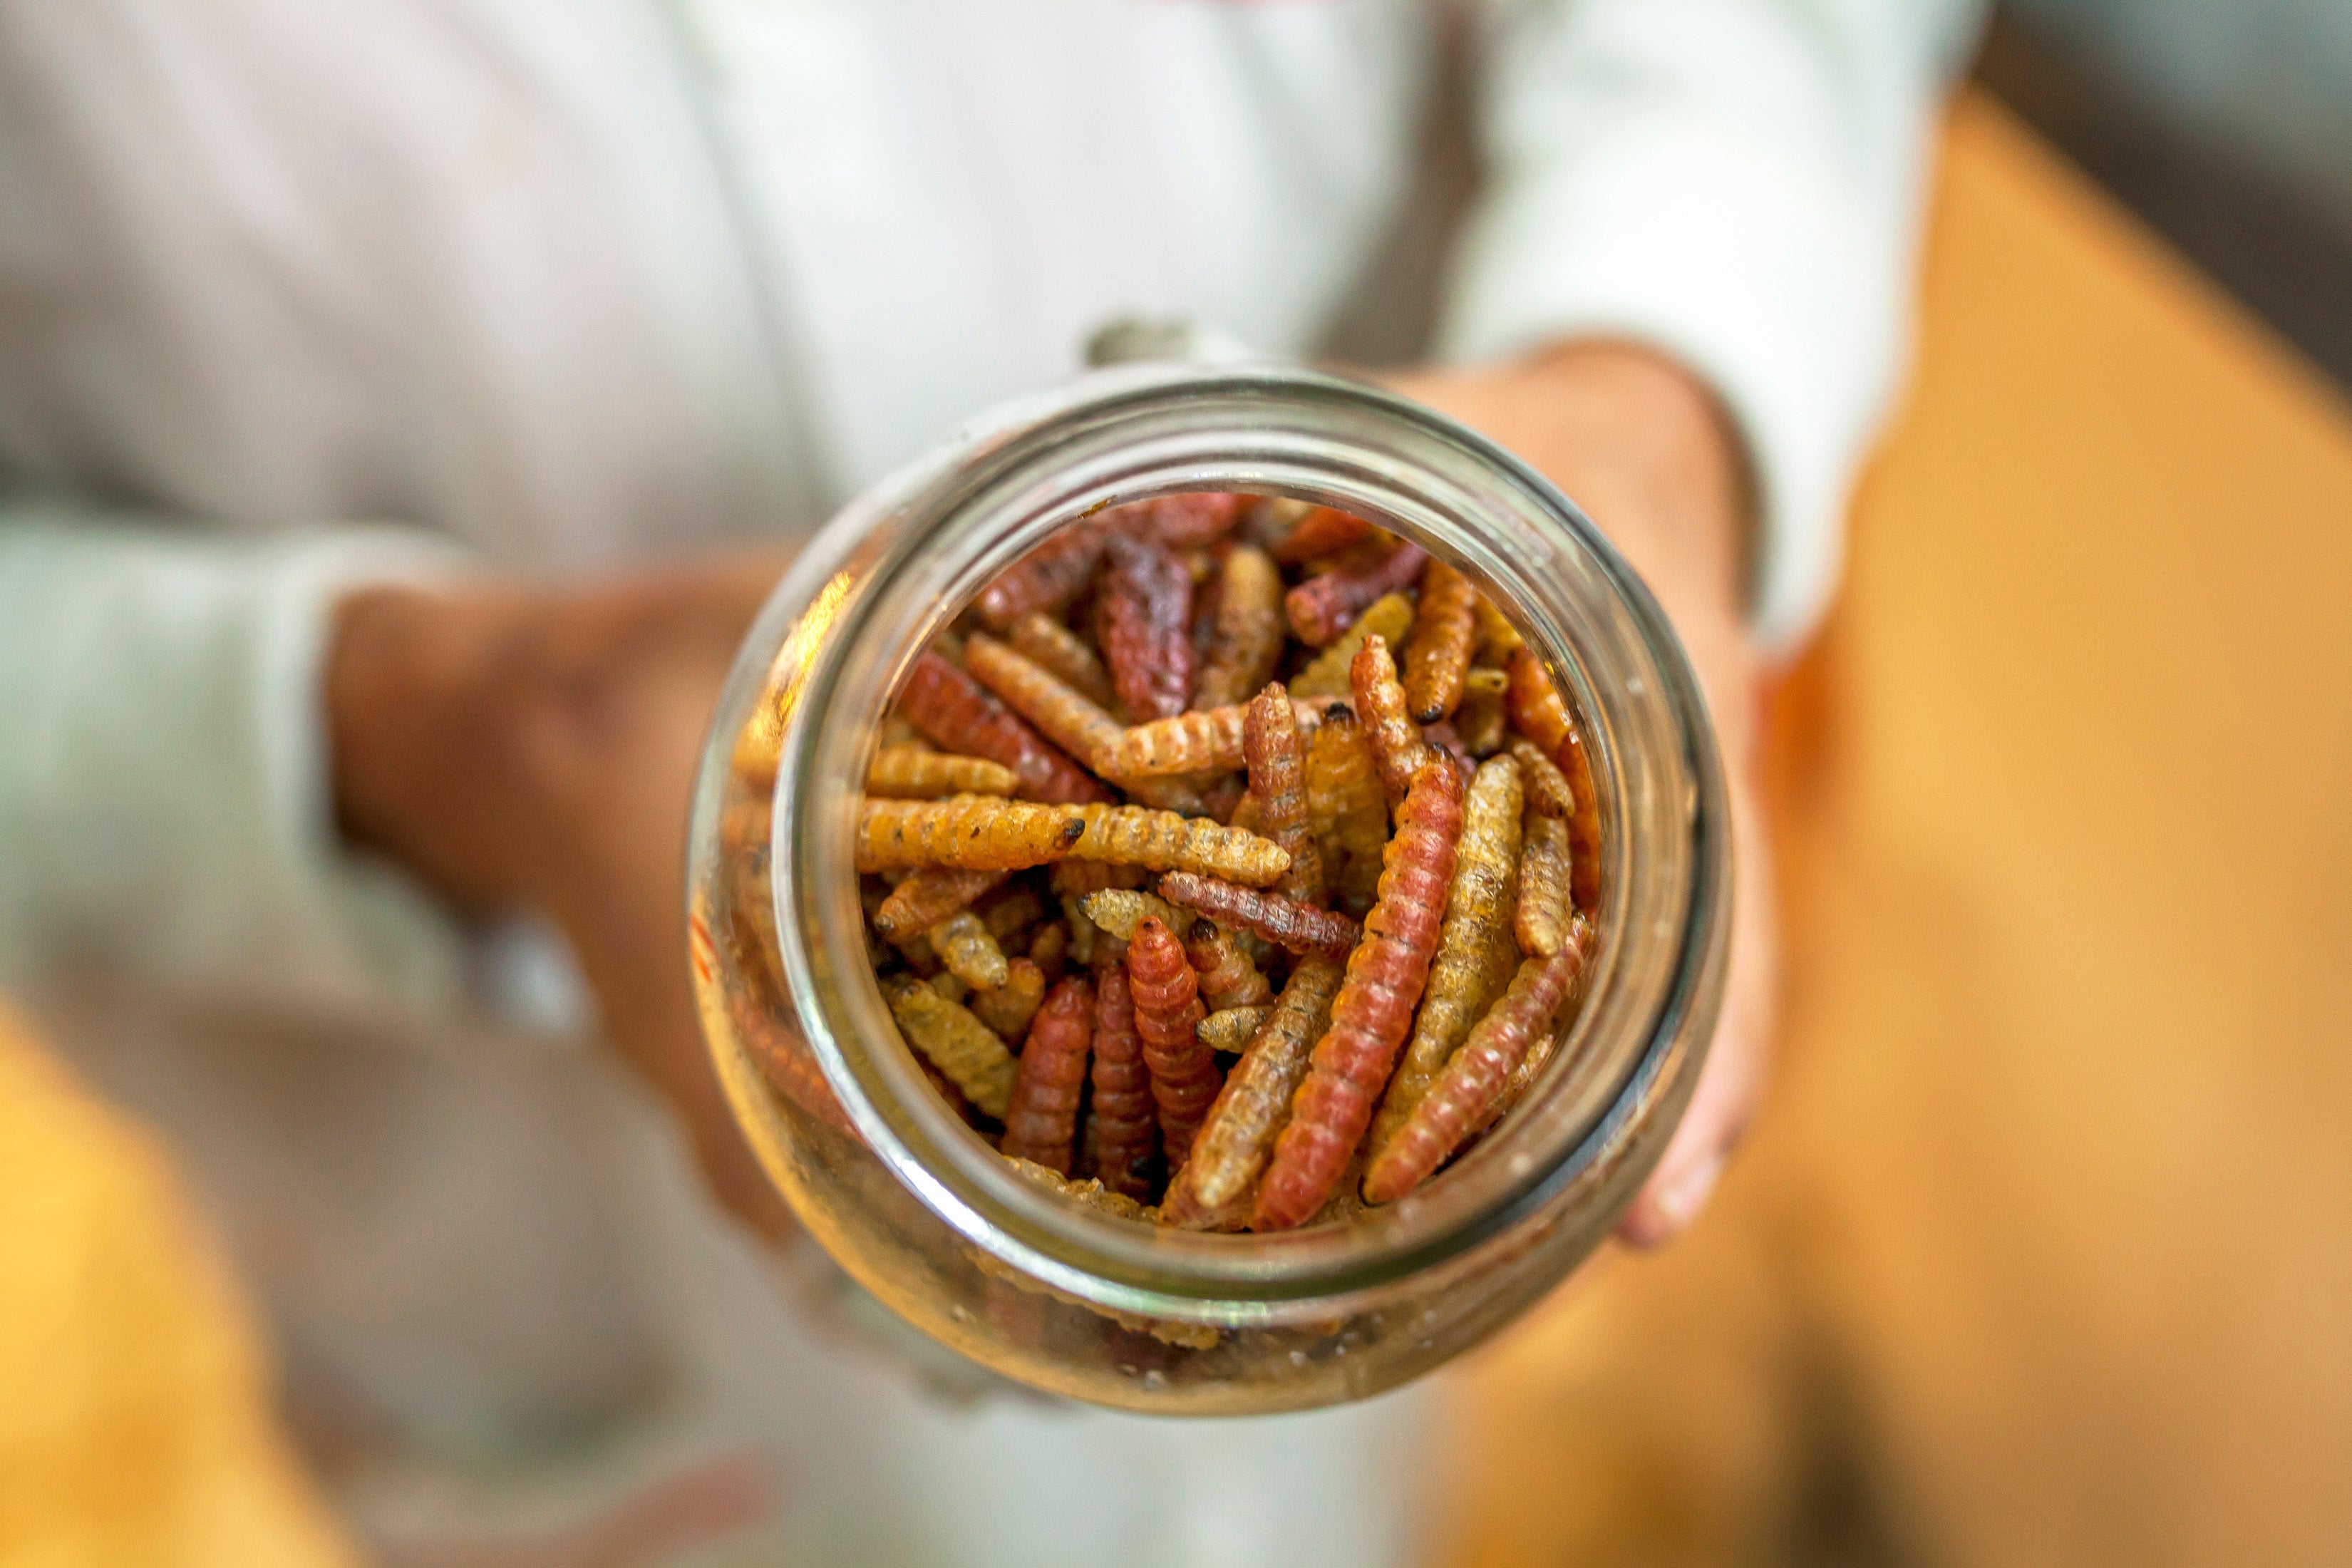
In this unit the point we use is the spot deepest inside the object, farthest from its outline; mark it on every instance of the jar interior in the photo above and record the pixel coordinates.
(1423, 480)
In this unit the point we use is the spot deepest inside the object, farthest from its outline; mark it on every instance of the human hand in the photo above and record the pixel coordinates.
(522, 748)
(1643, 447)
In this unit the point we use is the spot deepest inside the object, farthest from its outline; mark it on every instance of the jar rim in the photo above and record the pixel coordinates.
(1125, 434)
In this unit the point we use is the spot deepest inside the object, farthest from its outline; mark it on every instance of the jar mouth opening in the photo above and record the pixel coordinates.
(1134, 433)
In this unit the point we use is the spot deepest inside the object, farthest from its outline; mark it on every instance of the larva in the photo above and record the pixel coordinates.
(959, 1044)
(968, 950)
(1010, 1008)
(1045, 579)
(1321, 530)
(1326, 675)
(952, 709)
(1246, 640)
(1347, 809)
(1147, 607)
(1123, 1130)
(1541, 922)
(1053, 647)
(978, 833)
(1228, 1029)
(1479, 715)
(1479, 907)
(926, 896)
(1040, 1121)
(1228, 977)
(1475, 1079)
(906, 773)
(1374, 1007)
(1065, 717)
(1184, 1071)
(1232, 1144)
(1285, 923)
(1276, 761)
(1438, 656)
(1328, 603)
(1163, 841)
(1398, 749)
(1540, 713)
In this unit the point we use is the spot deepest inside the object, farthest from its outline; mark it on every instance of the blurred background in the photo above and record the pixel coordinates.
(2041, 1249)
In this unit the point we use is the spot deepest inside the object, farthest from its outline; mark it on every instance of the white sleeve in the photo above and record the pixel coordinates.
(165, 805)
(1736, 182)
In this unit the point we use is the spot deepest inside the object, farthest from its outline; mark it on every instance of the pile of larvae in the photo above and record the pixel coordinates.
(1232, 853)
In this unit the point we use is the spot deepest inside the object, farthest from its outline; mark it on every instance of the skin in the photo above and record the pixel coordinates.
(521, 747)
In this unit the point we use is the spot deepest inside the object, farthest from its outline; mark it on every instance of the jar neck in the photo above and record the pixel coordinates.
(894, 570)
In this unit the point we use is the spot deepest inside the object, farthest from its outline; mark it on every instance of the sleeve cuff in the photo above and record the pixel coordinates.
(1742, 262)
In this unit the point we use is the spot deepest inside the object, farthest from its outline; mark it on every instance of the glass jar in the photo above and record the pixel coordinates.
(916, 1207)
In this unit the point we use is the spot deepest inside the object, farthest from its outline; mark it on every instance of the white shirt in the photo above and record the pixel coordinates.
(295, 296)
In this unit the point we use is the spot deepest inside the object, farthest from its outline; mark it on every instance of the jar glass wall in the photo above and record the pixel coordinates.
(917, 1206)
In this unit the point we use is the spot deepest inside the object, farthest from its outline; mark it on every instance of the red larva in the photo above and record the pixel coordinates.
(1042, 1122)
(953, 709)
(1188, 521)
(1184, 1071)
(1458, 1103)
(1328, 603)
(1373, 1010)
(1047, 578)
(1122, 1131)
(1285, 923)
(1147, 629)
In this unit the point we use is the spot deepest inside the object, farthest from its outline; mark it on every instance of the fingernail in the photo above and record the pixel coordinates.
(1681, 1202)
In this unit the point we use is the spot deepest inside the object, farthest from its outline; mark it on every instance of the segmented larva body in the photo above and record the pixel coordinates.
(1045, 579)
(1548, 791)
(1163, 841)
(1228, 978)
(1009, 1009)
(1444, 739)
(1041, 1123)
(1234, 1144)
(1285, 923)
(1055, 648)
(1347, 809)
(1326, 675)
(1398, 749)
(1328, 603)
(958, 1044)
(1479, 715)
(926, 898)
(1475, 1079)
(1116, 912)
(1066, 717)
(1479, 907)
(973, 832)
(970, 952)
(1049, 950)
(1228, 1029)
(1091, 1193)
(1167, 1012)
(1010, 912)
(1540, 713)
(1541, 922)
(1122, 1126)
(1321, 530)
(1384, 978)
(1497, 638)
(1438, 656)
(1245, 640)
(952, 709)
(1188, 742)
(905, 772)
(1277, 759)
(1190, 520)
(1147, 608)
